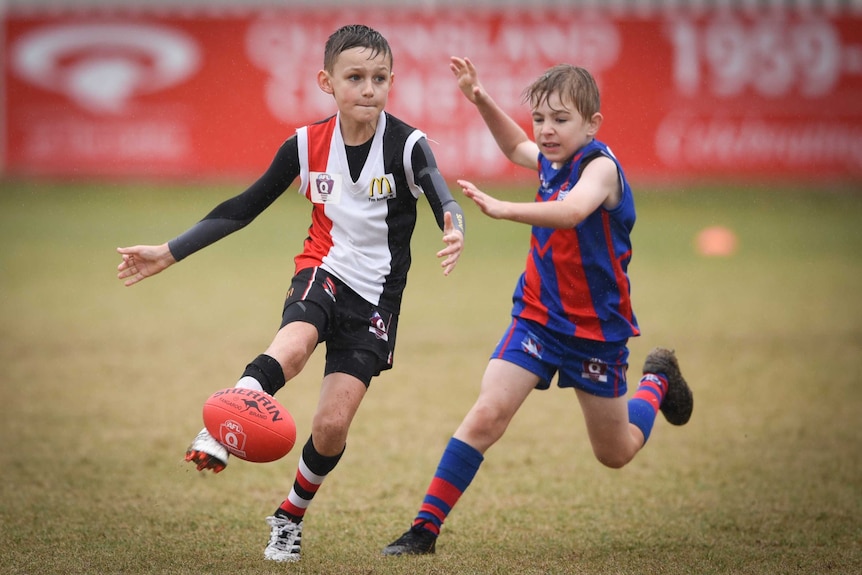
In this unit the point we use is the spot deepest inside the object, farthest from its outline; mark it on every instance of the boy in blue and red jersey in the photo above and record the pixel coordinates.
(572, 313)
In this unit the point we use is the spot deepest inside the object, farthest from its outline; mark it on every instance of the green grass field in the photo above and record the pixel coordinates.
(102, 389)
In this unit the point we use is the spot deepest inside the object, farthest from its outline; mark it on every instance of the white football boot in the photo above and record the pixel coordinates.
(285, 538)
(207, 453)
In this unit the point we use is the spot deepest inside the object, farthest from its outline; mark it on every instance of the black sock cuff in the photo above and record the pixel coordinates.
(267, 371)
(317, 463)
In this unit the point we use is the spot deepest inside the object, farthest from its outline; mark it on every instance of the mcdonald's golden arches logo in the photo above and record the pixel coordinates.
(382, 188)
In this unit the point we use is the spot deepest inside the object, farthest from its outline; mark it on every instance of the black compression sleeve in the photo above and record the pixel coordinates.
(429, 178)
(237, 212)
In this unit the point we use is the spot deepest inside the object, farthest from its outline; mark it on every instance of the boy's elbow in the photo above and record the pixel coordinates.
(512, 155)
(570, 218)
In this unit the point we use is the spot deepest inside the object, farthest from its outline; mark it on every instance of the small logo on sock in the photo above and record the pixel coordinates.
(653, 378)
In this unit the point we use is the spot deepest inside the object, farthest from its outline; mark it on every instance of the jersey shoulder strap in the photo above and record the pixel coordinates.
(398, 141)
(313, 143)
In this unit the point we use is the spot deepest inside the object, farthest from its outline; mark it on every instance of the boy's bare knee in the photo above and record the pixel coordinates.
(330, 433)
(613, 459)
(482, 427)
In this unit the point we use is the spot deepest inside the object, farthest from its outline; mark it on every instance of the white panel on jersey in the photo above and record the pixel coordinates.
(360, 235)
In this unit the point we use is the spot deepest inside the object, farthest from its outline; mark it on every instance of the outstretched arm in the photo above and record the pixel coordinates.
(140, 262)
(599, 185)
(237, 212)
(510, 137)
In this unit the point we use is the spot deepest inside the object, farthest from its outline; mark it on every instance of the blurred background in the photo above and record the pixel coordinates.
(746, 91)
(739, 124)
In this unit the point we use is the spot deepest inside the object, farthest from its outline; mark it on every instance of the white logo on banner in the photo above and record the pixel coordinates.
(102, 66)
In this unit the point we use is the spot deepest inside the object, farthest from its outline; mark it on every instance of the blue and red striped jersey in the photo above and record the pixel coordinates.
(576, 281)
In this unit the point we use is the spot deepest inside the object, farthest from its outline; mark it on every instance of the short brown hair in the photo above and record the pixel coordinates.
(573, 84)
(354, 36)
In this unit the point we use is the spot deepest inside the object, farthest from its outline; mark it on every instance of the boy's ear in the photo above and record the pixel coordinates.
(324, 82)
(595, 124)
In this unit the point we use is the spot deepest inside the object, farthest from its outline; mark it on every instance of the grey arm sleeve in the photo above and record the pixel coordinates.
(239, 211)
(202, 234)
(429, 178)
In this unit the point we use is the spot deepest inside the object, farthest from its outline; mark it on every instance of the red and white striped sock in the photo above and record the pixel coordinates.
(310, 473)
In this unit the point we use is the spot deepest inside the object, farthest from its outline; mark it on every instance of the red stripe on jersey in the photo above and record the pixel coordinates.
(573, 286)
(319, 141)
(625, 306)
(535, 309)
(319, 240)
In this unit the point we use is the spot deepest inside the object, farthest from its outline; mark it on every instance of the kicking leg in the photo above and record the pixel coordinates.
(284, 358)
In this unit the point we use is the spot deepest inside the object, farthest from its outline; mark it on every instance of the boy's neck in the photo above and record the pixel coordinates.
(357, 134)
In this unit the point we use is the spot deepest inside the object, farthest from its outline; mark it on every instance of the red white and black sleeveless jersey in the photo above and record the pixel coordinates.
(360, 231)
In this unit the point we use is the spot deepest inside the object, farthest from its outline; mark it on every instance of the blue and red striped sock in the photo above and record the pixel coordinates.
(455, 472)
(644, 404)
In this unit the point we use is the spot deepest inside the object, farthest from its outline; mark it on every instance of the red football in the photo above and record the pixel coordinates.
(250, 424)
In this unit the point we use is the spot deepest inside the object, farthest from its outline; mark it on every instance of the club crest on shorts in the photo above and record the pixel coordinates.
(329, 288)
(532, 346)
(378, 327)
(595, 370)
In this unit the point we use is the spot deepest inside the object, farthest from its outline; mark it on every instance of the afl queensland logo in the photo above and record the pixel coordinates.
(102, 67)
(325, 186)
(232, 436)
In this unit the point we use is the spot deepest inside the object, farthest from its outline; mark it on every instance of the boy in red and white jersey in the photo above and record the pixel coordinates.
(363, 170)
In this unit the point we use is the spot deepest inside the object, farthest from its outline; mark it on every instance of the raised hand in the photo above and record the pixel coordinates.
(489, 205)
(468, 78)
(454, 240)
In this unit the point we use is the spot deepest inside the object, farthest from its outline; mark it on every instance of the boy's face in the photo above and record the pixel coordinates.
(560, 131)
(360, 85)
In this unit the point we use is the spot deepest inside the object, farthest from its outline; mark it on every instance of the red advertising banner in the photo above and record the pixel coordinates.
(703, 95)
